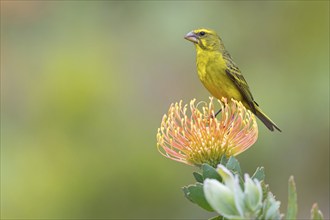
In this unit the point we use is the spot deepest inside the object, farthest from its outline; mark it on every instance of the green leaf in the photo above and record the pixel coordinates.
(223, 160)
(259, 174)
(210, 172)
(265, 189)
(186, 193)
(219, 217)
(292, 200)
(271, 208)
(233, 165)
(198, 177)
(316, 214)
(195, 194)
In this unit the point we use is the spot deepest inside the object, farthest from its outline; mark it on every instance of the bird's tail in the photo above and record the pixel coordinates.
(266, 120)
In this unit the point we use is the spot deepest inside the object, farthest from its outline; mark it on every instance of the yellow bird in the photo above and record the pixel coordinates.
(220, 75)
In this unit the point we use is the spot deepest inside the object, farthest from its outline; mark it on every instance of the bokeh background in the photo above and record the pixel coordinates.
(84, 85)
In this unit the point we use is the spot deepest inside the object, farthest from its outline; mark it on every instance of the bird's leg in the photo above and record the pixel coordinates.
(218, 112)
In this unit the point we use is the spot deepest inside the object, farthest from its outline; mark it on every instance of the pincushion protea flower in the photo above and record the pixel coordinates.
(202, 137)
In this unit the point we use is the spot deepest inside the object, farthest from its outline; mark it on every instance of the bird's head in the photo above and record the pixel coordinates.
(206, 39)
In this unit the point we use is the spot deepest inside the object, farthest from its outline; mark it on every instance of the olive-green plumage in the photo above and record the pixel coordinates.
(220, 75)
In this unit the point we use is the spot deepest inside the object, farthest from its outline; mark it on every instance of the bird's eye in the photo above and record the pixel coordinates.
(202, 33)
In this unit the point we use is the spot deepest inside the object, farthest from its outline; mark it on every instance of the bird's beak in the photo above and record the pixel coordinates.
(191, 36)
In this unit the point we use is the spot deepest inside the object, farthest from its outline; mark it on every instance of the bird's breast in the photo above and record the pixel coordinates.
(211, 70)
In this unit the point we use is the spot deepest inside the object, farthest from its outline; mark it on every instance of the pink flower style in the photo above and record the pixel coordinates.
(202, 137)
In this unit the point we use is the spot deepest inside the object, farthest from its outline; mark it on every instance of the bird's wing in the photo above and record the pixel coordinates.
(236, 76)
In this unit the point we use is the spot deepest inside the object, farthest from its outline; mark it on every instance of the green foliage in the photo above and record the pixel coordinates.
(270, 209)
(292, 200)
(259, 174)
(224, 190)
(210, 172)
(265, 189)
(195, 194)
(219, 217)
(316, 214)
(198, 177)
(223, 160)
(233, 165)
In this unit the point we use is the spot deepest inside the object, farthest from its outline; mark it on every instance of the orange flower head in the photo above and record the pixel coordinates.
(203, 138)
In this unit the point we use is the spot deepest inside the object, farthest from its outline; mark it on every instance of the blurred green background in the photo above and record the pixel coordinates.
(84, 85)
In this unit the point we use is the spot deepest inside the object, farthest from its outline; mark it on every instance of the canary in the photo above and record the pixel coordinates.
(220, 75)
